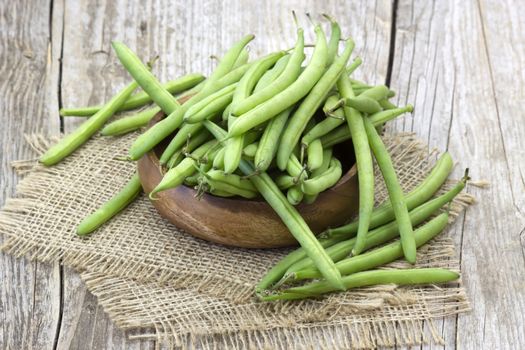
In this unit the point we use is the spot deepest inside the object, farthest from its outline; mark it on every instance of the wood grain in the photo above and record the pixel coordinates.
(462, 64)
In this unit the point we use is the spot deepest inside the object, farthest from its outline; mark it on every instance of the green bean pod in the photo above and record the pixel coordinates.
(175, 176)
(314, 155)
(180, 138)
(250, 150)
(273, 73)
(386, 104)
(364, 104)
(395, 192)
(88, 128)
(383, 255)
(210, 105)
(335, 36)
(387, 232)
(332, 121)
(294, 195)
(111, 208)
(194, 140)
(140, 99)
(368, 278)
(416, 197)
(295, 223)
(175, 159)
(231, 183)
(309, 105)
(143, 76)
(232, 153)
(295, 169)
(168, 125)
(242, 59)
(324, 181)
(284, 181)
(289, 96)
(378, 92)
(327, 157)
(270, 140)
(282, 82)
(130, 123)
(389, 114)
(218, 160)
(364, 163)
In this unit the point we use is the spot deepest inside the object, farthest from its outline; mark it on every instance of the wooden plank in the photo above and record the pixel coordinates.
(459, 63)
(29, 292)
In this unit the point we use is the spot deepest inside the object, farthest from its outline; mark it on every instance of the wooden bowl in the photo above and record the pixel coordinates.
(247, 223)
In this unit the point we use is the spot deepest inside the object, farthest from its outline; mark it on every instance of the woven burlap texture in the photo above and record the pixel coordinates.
(149, 275)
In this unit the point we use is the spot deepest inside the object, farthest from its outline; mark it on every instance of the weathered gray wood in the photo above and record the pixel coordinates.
(29, 292)
(461, 63)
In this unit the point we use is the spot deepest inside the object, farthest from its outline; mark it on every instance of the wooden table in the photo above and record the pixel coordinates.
(461, 63)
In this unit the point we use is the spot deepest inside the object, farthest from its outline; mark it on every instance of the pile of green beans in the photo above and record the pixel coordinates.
(271, 129)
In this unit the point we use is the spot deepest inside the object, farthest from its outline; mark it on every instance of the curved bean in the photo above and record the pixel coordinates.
(283, 81)
(143, 76)
(378, 92)
(175, 176)
(180, 138)
(88, 128)
(295, 169)
(384, 116)
(210, 105)
(294, 195)
(386, 104)
(295, 223)
(324, 181)
(111, 208)
(368, 278)
(335, 36)
(309, 105)
(327, 157)
(242, 59)
(395, 192)
(231, 183)
(141, 98)
(218, 160)
(364, 163)
(130, 123)
(270, 140)
(364, 104)
(385, 233)
(314, 155)
(326, 125)
(289, 96)
(284, 181)
(249, 150)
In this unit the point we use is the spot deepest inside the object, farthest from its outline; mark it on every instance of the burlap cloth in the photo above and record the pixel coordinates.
(163, 283)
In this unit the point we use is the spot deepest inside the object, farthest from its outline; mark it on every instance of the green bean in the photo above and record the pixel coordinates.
(284, 181)
(130, 123)
(180, 138)
(282, 82)
(328, 124)
(395, 192)
(249, 151)
(364, 163)
(384, 233)
(232, 153)
(111, 208)
(389, 114)
(270, 140)
(369, 278)
(242, 59)
(210, 105)
(175, 176)
(315, 155)
(363, 104)
(231, 183)
(335, 36)
(289, 96)
(309, 105)
(353, 66)
(220, 193)
(386, 104)
(380, 256)
(218, 160)
(294, 195)
(359, 90)
(272, 74)
(378, 92)
(226, 112)
(143, 76)
(327, 157)
(336, 136)
(229, 60)
(295, 223)
(175, 159)
(295, 169)
(324, 181)
(168, 125)
(416, 197)
(88, 128)
(141, 98)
